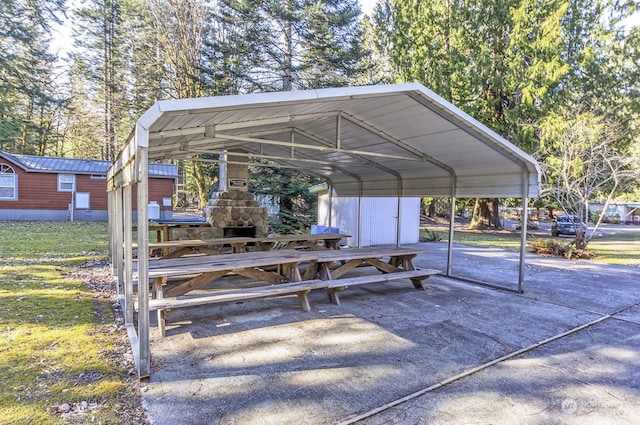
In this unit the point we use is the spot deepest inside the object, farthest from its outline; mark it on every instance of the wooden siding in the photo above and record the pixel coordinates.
(39, 191)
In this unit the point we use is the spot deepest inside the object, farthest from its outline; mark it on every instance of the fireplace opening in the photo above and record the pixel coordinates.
(239, 231)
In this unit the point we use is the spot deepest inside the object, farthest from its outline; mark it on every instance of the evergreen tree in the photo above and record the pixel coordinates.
(291, 189)
(29, 98)
(291, 44)
(99, 41)
(509, 64)
(288, 45)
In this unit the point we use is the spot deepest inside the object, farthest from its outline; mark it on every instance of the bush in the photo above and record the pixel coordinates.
(558, 249)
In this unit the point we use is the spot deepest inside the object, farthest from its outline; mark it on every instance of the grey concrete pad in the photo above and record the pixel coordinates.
(584, 284)
(590, 377)
(267, 362)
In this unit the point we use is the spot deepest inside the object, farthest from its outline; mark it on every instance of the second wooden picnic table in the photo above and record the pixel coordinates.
(180, 248)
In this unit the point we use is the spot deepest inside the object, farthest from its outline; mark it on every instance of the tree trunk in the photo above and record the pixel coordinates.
(581, 241)
(485, 215)
(432, 208)
(201, 180)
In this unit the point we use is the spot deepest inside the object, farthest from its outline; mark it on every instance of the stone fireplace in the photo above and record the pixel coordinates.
(234, 211)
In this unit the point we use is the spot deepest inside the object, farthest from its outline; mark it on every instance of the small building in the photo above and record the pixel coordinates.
(57, 189)
(369, 220)
(618, 212)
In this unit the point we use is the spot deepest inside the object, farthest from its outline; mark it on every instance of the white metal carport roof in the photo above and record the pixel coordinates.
(390, 140)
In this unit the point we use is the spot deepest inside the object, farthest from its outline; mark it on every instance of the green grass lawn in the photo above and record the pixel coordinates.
(57, 336)
(619, 248)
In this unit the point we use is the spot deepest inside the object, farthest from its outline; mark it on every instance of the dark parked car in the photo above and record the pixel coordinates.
(566, 225)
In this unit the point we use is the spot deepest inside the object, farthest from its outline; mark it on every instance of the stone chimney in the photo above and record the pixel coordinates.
(233, 211)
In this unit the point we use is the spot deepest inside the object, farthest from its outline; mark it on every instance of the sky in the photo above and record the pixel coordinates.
(368, 5)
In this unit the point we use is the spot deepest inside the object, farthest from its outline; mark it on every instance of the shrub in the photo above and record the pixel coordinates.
(555, 248)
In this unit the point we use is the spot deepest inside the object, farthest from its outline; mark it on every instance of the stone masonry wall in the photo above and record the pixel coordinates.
(236, 208)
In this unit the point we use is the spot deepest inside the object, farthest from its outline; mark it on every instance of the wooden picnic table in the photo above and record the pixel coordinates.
(180, 248)
(280, 270)
(203, 270)
(163, 227)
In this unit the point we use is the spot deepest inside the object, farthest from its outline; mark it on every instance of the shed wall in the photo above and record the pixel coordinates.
(379, 219)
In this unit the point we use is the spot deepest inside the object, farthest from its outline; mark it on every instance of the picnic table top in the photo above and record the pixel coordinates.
(243, 260)
(266, 239)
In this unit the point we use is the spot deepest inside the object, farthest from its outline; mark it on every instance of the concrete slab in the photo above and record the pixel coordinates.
(590, 377)
(267, 362)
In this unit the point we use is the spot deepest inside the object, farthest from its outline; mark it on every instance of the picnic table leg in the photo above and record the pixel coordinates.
(333, 294)
(407, 264)
(159, 294)
(417, 282)
(294, 272)
(238, 247)
(304, 300)
(265, 246)
(312, 270)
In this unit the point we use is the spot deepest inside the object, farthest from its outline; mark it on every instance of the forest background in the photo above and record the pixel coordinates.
(558, 78)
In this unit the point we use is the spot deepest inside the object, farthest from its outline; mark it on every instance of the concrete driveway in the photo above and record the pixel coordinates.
(566, 351)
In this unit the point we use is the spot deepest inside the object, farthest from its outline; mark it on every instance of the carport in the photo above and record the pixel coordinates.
(372, 141)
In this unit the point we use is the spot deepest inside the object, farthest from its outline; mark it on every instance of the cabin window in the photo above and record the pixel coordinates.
(66, 182)
(8, 183)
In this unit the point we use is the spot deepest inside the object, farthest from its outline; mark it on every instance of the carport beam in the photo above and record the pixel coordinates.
(142, 159)
(452, 219)
(525, 225)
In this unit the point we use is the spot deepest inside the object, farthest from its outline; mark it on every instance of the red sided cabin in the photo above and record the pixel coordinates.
(47, 188)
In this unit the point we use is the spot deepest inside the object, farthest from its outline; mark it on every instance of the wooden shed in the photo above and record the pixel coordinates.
(47, 188)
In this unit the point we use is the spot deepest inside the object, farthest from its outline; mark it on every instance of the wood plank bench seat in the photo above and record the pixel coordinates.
(301, 289)
(417, 276)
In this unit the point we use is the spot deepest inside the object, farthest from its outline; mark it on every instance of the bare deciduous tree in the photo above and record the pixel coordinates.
(583, 159)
